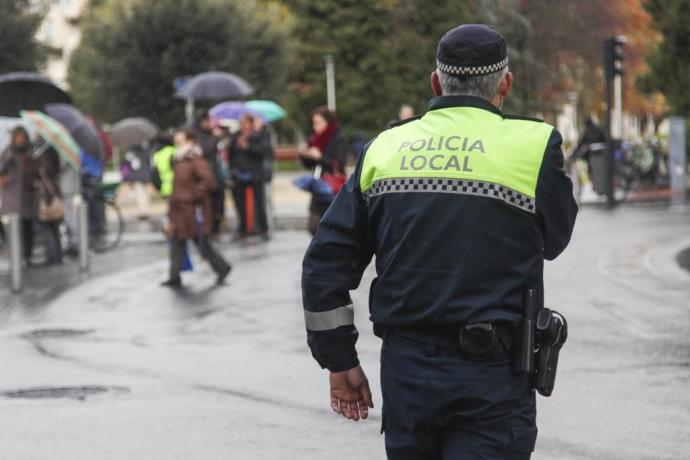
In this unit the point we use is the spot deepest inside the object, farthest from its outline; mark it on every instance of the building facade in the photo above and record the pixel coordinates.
(61, 32)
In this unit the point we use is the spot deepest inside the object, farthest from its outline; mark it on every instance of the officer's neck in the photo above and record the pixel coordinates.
(497, 101)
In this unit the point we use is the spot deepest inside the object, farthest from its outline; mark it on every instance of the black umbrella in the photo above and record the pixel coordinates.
(132, 131)
(80, 127)
(27, 91)
(214, 86)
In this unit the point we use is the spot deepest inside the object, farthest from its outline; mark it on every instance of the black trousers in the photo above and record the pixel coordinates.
(250, 202)
(438, 405)
(51, 237)
(217, 209)
(207, 251)
(27, 228)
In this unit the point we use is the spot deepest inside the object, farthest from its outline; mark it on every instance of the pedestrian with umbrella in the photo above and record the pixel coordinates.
(190, 209)
(134, 135)
(67, 181)
(208, 142)
(247, 154)
(92, 155)
(51, 210)
(17, 176)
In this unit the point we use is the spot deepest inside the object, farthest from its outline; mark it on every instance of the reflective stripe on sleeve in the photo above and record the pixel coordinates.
(328, 320)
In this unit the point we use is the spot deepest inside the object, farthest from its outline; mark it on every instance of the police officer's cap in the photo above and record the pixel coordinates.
(471, 50)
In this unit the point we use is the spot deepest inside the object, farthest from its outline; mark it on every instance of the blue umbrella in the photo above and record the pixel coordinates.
(232, 111)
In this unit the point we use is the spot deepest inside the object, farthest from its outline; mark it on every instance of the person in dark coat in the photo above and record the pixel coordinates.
(594, 139)
(592, 147)
(17, 177)
(209, 148)
(269, 156)
(247, 156)
(48, 172)
(139, 160)
(328, 152)
(190, 209)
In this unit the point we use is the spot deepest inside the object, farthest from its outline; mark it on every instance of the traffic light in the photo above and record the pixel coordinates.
(613, 56)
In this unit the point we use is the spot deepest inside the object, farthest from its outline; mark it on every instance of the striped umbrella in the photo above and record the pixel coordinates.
(55, 134)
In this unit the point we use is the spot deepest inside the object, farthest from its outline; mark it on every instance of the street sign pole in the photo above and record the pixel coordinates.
(613, 71)
(15, 249)
(189, 111)
(330, 81)
(678, 165)
(83, 229)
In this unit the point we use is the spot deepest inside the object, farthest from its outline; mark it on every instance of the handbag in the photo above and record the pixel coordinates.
(335, 180)
(51, 208)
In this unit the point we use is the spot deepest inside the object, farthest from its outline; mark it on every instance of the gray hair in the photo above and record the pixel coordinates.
(484, 86)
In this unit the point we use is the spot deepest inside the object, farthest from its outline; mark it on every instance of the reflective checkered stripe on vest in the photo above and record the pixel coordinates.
(459, 150)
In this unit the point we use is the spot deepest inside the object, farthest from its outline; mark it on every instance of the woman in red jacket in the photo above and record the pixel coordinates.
(327, 154)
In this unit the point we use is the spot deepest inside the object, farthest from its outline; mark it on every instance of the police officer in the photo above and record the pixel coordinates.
(461, 207)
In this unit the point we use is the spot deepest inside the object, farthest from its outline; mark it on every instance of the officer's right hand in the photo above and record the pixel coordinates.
(350, 393)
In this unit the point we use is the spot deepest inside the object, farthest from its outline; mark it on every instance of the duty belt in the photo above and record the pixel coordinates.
(486, 341)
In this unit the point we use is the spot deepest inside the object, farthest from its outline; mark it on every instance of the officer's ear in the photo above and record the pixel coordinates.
(506, 85)
(503, 90)
(436, 84)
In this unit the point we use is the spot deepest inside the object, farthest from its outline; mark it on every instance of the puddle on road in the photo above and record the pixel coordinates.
(80, 393)
(683, 258)
(57, 333)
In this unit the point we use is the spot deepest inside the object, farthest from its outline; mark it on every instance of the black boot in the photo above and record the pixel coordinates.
(174, 283)
(221, 275)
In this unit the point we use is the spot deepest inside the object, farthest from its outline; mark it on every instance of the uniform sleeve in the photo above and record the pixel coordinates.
(333, 265)
(556, 206)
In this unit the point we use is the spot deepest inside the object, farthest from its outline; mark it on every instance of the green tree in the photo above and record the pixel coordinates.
(19, 50)
(384, 53)
(417, 30)
(670, 63)
(354, 32)
(131, 52)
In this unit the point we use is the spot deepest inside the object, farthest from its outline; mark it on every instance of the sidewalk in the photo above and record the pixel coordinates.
(589, 196)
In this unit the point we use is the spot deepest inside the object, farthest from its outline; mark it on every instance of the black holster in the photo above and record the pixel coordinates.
(537, 342)
(552, 332)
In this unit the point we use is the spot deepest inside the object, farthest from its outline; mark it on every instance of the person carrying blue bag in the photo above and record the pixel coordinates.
(190, 210)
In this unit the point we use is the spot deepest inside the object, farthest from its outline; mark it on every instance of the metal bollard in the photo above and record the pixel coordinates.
(83, 229)
(15, 250)
(678, 167)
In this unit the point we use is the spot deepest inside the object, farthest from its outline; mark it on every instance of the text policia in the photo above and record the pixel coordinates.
(439, 161)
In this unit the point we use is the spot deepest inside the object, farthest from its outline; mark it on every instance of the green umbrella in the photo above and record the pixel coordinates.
(269, 110)
(55, 134)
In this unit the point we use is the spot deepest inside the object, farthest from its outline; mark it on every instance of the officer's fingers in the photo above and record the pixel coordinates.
(366, 394)
(345, 409)
(354, 410)
(363, 409)
(335, 405)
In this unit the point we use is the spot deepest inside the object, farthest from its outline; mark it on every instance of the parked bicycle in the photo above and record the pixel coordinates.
(638, 165)
(107, 234)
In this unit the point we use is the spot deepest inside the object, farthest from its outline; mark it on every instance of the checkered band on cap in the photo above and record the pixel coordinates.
(469, 71)
(455, 186)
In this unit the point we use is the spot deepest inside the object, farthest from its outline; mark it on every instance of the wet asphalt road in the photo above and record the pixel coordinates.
(118, 367)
